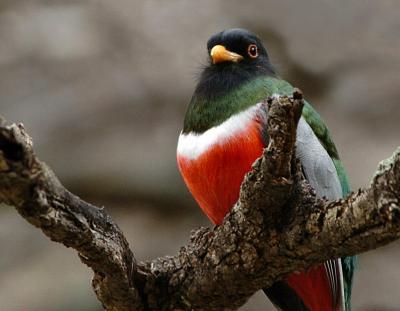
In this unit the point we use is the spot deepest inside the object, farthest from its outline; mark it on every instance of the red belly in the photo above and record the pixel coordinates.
(214, 178)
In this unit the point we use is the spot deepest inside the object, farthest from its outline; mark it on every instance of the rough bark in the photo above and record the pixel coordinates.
(276, 227)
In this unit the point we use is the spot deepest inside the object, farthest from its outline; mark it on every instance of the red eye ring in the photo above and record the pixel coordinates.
(252, 50)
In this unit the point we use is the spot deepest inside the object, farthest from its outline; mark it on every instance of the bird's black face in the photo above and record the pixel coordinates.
(239, 48)
(236, 57)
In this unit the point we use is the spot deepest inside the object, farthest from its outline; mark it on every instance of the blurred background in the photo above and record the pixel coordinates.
(102, 87)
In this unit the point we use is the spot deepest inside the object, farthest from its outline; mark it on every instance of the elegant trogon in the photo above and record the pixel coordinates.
(225, 131)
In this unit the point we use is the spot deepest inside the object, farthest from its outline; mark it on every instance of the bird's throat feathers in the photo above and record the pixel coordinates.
(211, 105)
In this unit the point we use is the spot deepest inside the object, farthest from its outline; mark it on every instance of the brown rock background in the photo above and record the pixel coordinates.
(102, 87)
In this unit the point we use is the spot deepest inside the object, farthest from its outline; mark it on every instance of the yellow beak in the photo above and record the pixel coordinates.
(220, 54)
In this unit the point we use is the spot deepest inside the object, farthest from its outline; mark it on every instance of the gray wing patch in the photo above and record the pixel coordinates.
(321, 173)
(317, 164)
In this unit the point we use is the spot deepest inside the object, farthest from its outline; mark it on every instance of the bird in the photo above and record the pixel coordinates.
(225, 131)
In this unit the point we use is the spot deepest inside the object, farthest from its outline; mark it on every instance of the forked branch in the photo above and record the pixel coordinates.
(276, 227)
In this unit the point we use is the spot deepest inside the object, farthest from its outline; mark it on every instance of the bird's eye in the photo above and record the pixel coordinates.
(252, 51)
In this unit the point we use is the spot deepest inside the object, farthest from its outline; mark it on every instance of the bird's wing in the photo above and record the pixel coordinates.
(321, 131)
(319, 128)
(321, 173)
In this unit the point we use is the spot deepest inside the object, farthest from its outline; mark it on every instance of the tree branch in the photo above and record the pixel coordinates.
(39, 197)
(276, 227)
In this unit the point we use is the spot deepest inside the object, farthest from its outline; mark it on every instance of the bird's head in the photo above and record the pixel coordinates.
(238, 48)
(236, 56)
